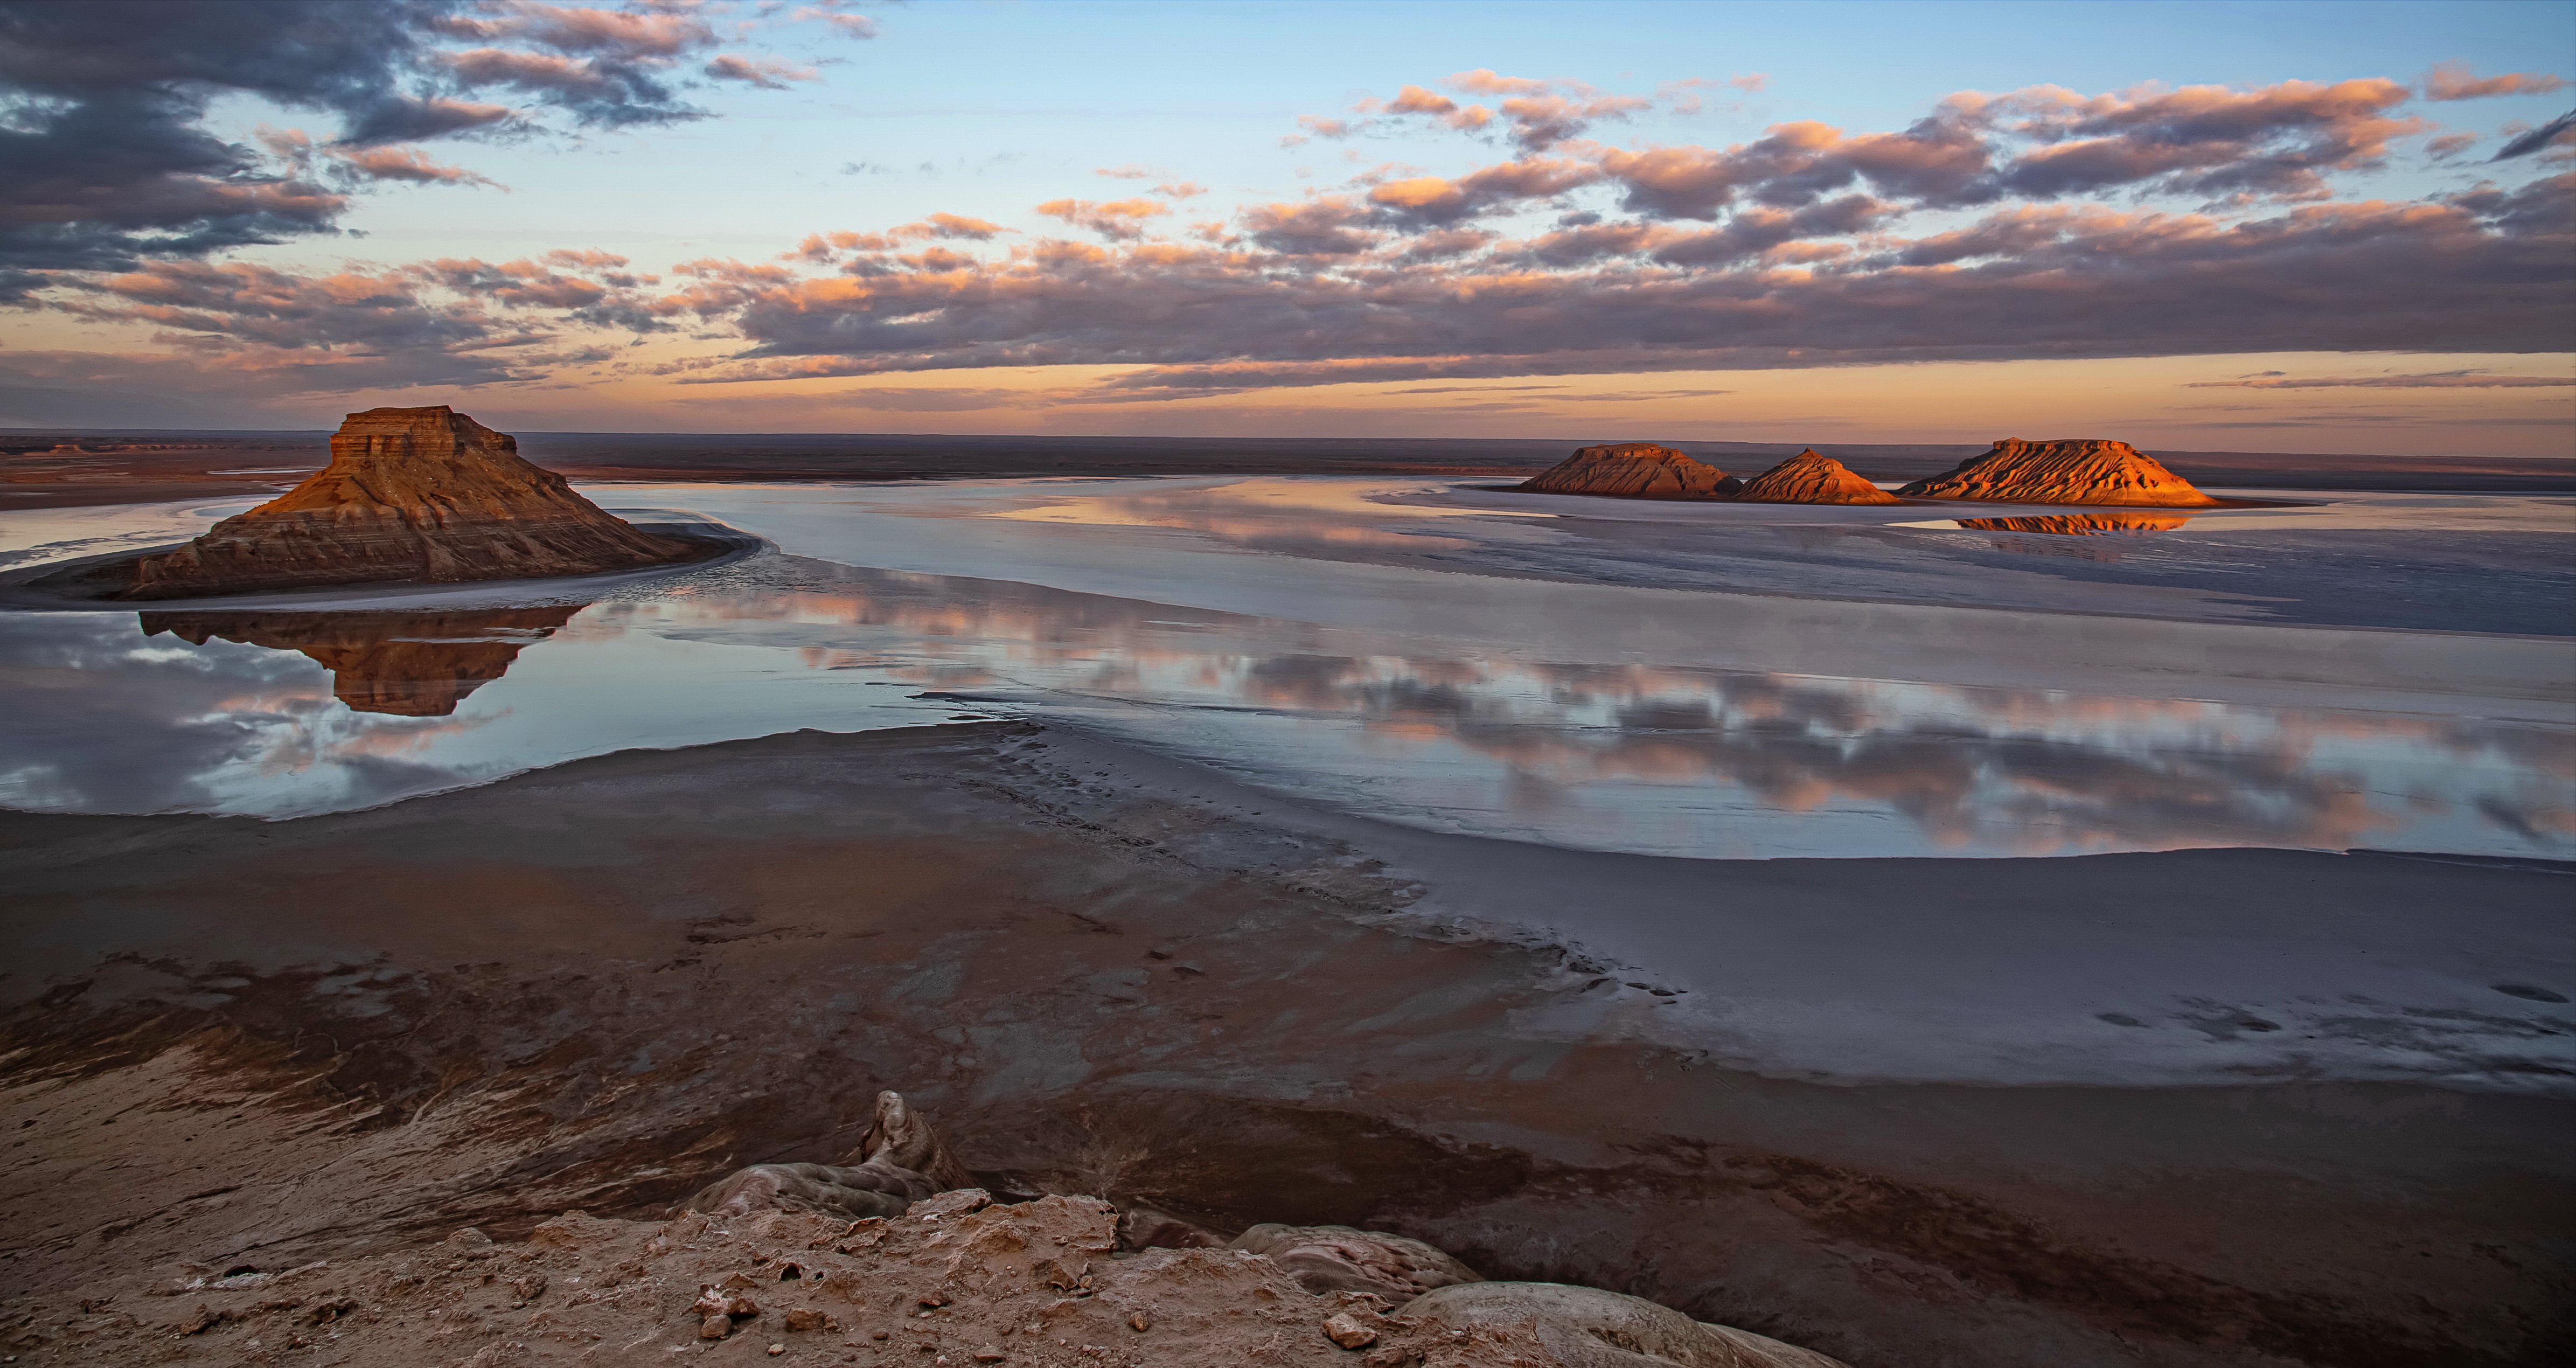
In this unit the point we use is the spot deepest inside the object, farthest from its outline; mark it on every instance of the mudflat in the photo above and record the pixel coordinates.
(247, 1044)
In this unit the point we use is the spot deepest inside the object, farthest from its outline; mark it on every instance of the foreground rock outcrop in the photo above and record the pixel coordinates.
(757, 1267)
(899, 1161)
(405, 664)
(1634, 470)
(424, 495)
(2071, 471)
(1811, 477)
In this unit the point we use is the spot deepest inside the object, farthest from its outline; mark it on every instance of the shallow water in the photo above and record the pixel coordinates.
(1356, 643)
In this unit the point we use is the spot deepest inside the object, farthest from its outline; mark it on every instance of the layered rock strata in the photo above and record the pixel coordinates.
(1810, 477)
(425, 495)
(2071, 471)
(1634, 470)
(405, 664)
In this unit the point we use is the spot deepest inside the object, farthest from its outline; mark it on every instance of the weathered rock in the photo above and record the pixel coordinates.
(899, 1161)
(1341, 1259)
(1345, 1329)
(1586, 1327)
(422, 494)
(1635, 470)
(406, 664)
(2070, 471)
(1811, 477)
(1144, 1227)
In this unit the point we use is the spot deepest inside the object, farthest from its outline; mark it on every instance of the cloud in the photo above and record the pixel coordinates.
(2452, 81)
(403, 164)
(1437, 200)
(2557, 130)
(764, 72)
(1328, 226)
(828, 12)
(2437, 380)
(2480, 272)
(2277, 140)
(108, 158)
(1114, 219)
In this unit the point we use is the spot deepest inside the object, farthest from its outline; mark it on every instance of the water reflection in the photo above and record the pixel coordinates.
(2082, 524)
(404, 664)
(191, 711)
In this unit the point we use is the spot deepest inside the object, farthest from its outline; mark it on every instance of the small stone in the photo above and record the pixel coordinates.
(1140, 1322)
(715, 1327)
(776, 1349)
(1388, 1357)
(1344, 1329)
(804, 1318)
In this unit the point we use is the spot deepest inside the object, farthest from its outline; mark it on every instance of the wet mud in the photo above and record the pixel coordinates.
(599, 986)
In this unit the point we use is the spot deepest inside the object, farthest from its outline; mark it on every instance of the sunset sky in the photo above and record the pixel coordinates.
(2284, 227)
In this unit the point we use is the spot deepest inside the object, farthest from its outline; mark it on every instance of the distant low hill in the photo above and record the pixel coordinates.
(61, 467)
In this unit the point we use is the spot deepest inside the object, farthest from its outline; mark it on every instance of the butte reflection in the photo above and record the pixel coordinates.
(2083, 524)
(405, 664)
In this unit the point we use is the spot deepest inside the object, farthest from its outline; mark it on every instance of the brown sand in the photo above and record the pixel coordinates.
(231, 1043)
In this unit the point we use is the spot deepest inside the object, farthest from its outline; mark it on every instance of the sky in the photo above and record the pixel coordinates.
(2314, 226)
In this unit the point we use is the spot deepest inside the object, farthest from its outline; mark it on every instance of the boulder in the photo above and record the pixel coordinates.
(406, 664)
(1342, 1259)
(1634, 470)
(1810, 477)
(424, 495)
(1586, 1327)
(2071, 471)
(900, 1160)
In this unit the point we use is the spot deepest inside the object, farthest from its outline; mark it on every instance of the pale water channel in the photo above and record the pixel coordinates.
(1679, 680)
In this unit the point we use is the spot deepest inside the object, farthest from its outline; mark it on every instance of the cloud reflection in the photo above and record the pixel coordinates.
(1973, 770)
(1632, 756)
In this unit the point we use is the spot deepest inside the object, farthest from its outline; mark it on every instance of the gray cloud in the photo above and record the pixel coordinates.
(108, 161)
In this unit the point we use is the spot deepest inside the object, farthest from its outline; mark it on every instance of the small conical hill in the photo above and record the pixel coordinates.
(1635, 470)
(2069, 471)
(1811, 477)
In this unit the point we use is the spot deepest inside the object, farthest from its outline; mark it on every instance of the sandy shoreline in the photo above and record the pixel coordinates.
(596, 985)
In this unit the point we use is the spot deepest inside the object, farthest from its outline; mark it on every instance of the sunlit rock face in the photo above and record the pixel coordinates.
(1810, 477)
(406, 664)
(2080, 470)
(420, 494)
(1635, 470)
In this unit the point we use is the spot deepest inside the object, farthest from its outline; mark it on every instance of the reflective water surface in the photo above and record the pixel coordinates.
(1584, 727)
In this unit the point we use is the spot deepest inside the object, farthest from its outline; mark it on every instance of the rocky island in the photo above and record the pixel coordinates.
(417, 495)
(1634, 470)
(2066, 471)
(1810, 477)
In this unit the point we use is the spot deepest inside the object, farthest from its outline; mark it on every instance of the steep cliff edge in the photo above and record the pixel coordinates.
(424, 495)
(1811, 477)
(2067, 471)
(1634, 470)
